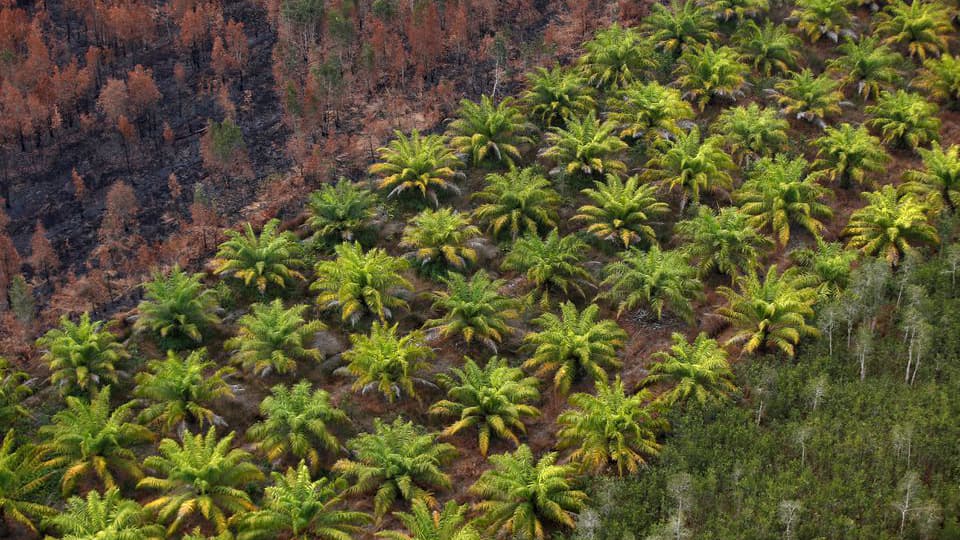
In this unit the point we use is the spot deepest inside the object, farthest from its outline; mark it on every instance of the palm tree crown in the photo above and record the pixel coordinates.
(751, 132)
(770, 49)
(696, 371)
(104, 516)
(657, 279)
(940, 177)
(14, 388)
(489, 133)
(721, 241)
(517, 202)
(708, 73)
(387, 362)
(556, 95)
(554, 263)
(814, 98)
(621, 211)
(846, 154)
(22, 474)
(474, 309)
(940, 77)
(649, 111)
(340, 212)
(692, 165)
(425, 523)
(268, 260)
(359, 282)
(905, 118)
(890, 225)
(615, 57)
(866, 64)
(272, 339)
(81, 355)
(679, 26)
(823, 18)
(585, 148)
(178, 308)
(925, 27)
(421, 163)
(440, 240)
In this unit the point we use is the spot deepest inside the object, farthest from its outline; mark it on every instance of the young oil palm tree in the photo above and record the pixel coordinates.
(387, 362)
(846, 154)
(696, 371)
(708, 73)
(770, 49)
(556, 95)
(621, 212)
(398, 461)
(890, 225)
(939, 179)
(106, 516)
(736, 10)
(340, 212)
(829, 264)
(474, 309)
(610, 428)
(23, 473)
(202, 477)
(779, 193)
(516, 203)
(940, 78)
(722, 241)
(867, 65)
(823, 18)
(425, 523)
(297, 507)
(177, 308)
(573, 344)
(358, 283)
(179, 391)
(809, 97)
(659, 280)
(488, 133)
(418, 163)
(493, 399)
(679, 26)
(82, 355)
(15, 386)
(270, 260)
(520, 496)
(770, 313)
(297, 422)
(272, 339)
(441, 240)
(905, 119)
(585, 148)
(750, 132)
(924, 27)
(649, 111)
(551, 264)
(692, 165)
(615, 57)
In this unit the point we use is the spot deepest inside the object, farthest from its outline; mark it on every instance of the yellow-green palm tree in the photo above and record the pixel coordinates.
(615, 57)
(750, 132)
(489, 133)
(905, 119)
(867, 65)
(556, 95)
(360, 282)
(723, 241)
(649, 111)
(81, 355)
(272, 338)
(177, 308)
(696, 370)
(269, 260)
(939, 179)
(924, 27)
(441, 240)
(516, 203)
(846, 154)
(474, 309)
(890, 226)
(814, 98)
(585, 148)
(771, 49)
(708, 73)
(659, 280)
(692, 165)
(426, 523)
(940, 78)
(418, 163)
(387, 362)
(106, 516)
(823, 18)
(621, 212)
(22, 475)
(679, 26)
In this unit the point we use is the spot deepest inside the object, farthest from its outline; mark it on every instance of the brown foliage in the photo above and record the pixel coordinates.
(142, 91)
(79, 188)
(43, 258)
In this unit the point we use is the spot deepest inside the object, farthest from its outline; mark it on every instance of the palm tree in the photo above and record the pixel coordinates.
(387, 362)
(736, 10)
(14, 388)
(474, 309)
(610, 428)
(202, 475)
(708, 73)
(779, 193)
(697, 371)
(905, 119)
(441, 240)
(89, 439)
(573, 344)
(809, 97)
(300, 508)
(551, 264)
(179, 391)
(106, 516)
(520, 495)
(516, 203)
(846, 154)
(939, 179)
(830, 265)
(649, 111)
(657, 279)
(770, 49)
(81, 355)
(420, 163)
(358, 282)
(819, 18)
(340, 212)
(22, 474)
(493, 399)
(488, 133)
(679, 26)
(584, 148)
(925, 27)
(424, 523)
(772, 312)
(751, 132)
(722, 241)
(556, 95)
(296, 422)
(621, 211)
(890, 225)
(177, 308)
(272, 338)
(615, 57)
(397, 461)
(693, 165)
(940, 77)
(269, 260)
(867, 65)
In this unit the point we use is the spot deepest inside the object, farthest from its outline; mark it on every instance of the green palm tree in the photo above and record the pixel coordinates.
(387, 362)
(615, 57)
(268, 261)
(649, 111)
(178, 392)
(14, 388)
(696, 371)
(296, 422)
(771, 313)
(679, 26)
(939, 179)
(610, 428)
(556, 95)
(692, 165)
(106, 516)
(89, 440)
(940, 78)
(517, 202)
(779, 193)
(723, 241)
(769, 49)
(81, 355)
(867, 65)
(905, 119)
(890, 225)
(621, 211)
(736, 10)
(272, 339)
(829, 264)
(657, 279)
(551, 264)
(424, 523)
(809, 97)
(584, 149)
(23, 473)
(823, 18)
(340, 212)
(924, 27)
(493, 399)
(397, 461)
(846, 154)
(178, 308)
(300, 508)
(474, 309)
(520, 496)
(358, 283)
(489, 133)
(420, 163)
(200, 477)
(709, 73)
(750, 132)
(574, 344)
(441, 240)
